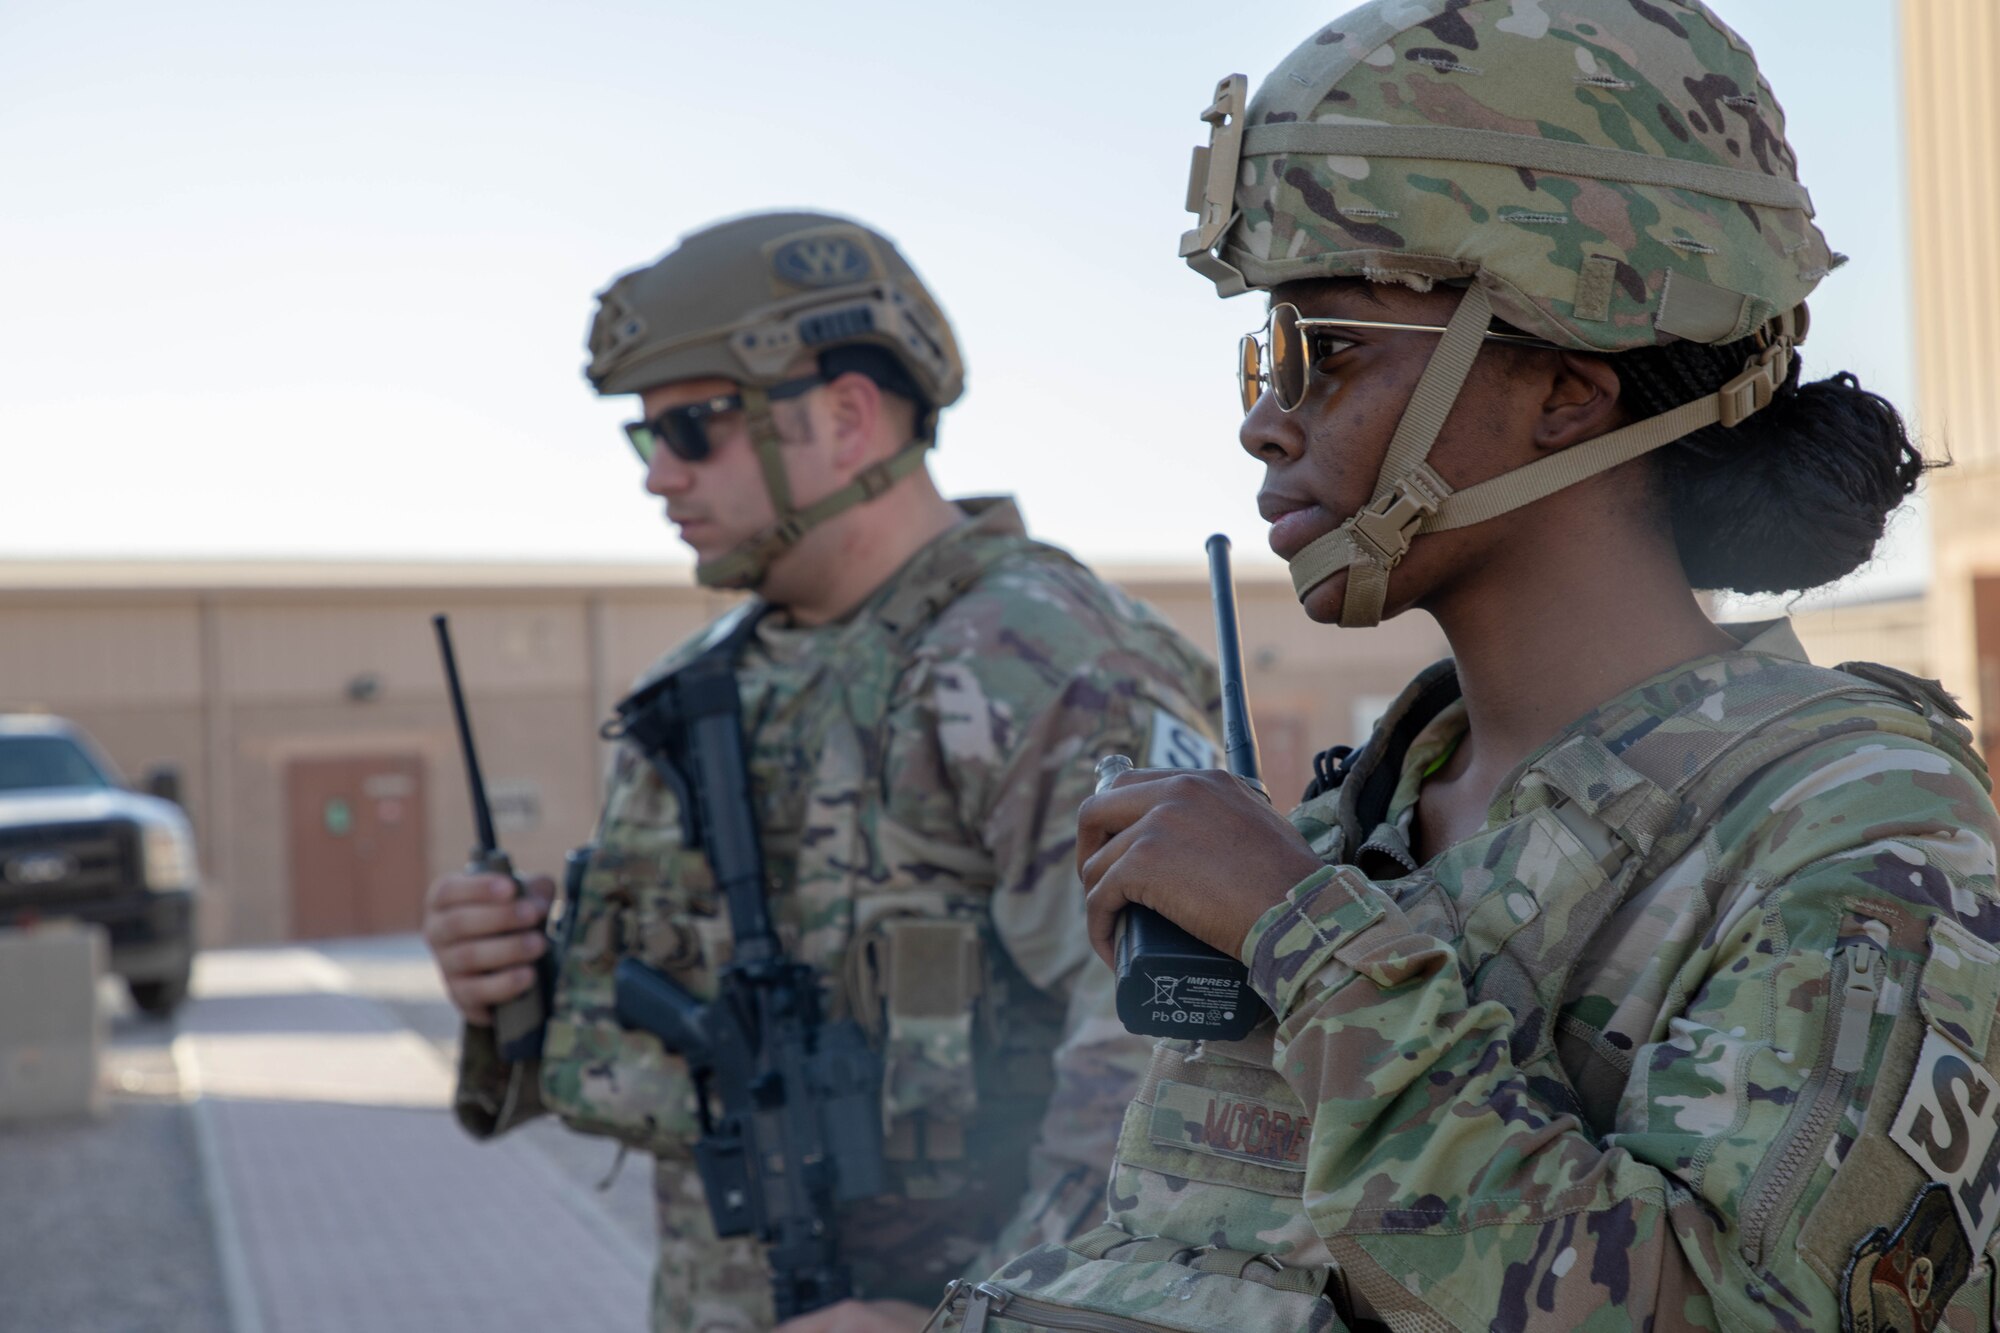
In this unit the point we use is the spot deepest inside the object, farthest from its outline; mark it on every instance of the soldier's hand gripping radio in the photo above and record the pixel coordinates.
(1170, 984)
(517, 1023)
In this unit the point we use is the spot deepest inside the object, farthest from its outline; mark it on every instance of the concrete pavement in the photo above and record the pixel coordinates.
(336, 1190)
(104, 1224)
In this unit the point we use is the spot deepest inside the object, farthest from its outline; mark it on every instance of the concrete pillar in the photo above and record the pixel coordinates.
(51, 1031)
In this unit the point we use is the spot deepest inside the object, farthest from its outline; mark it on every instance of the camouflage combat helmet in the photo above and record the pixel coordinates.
(743, 300)
(1603, 174)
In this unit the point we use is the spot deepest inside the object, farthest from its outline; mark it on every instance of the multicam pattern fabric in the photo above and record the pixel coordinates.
(1580, 256)
(919, 764)
(1631, 1056)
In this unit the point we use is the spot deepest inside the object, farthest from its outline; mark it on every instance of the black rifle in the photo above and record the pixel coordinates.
(1170, 984)
(517, 1023)
(790, 1104)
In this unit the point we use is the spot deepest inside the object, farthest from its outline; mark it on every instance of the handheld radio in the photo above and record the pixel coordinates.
(517, 1023)
(1170, 984)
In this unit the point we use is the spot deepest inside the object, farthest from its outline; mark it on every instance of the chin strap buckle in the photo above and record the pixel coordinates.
(875, 479)
(1385, 529)
(1752, 390)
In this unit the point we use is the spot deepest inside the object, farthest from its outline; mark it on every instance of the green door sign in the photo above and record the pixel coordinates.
(339, 817)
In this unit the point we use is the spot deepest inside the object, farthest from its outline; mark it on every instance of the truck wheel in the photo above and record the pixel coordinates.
(159, 998)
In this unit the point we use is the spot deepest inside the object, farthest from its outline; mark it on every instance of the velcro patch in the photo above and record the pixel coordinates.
(1961, 985)
(1223, 1124)
(827, 258)
(1901, 1281)
(1175, 744)
(1949, 1124)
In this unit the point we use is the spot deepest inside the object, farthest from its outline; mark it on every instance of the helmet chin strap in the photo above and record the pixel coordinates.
(1372, 541)
(748, 564)
(1410, 498)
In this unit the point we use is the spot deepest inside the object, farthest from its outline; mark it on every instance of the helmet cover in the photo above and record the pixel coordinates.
(1613, 172)
(1603, 174)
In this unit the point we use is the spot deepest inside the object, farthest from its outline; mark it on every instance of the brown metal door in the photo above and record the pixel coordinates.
(358, 844)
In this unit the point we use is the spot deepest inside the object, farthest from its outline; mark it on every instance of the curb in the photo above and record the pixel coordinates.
(239, 1291)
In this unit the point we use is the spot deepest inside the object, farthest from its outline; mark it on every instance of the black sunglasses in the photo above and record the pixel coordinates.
(683, 431)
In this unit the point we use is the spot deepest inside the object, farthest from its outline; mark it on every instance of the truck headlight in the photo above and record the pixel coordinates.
(168, 857)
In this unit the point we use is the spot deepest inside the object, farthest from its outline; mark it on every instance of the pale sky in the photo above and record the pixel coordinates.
(291, 280)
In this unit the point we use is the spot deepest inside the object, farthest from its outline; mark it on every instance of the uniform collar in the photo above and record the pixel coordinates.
(929, 578)
(988, 516)
(1773, 638)
(939, 571)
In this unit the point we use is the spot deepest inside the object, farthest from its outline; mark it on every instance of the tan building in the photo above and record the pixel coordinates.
(1951, 92)
(1894, 631)
(305, 710)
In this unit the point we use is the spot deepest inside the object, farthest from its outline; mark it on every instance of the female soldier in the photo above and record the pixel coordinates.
(1635, 973)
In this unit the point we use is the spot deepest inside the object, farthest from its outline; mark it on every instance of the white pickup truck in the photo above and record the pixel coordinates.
(77, 843)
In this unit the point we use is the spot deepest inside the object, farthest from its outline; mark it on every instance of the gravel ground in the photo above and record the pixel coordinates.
(104, 1224)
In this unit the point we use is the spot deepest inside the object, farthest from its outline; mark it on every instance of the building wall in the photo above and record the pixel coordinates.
(1894, 632)
(232, 683)
(231, 686)
(128, 669)
(1309, 686)
(1951, 98)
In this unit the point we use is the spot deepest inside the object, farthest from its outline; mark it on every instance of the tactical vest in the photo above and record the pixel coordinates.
(912, 959)
(1206, 1227)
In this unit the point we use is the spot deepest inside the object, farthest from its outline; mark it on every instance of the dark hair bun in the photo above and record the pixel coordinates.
(1795, 496)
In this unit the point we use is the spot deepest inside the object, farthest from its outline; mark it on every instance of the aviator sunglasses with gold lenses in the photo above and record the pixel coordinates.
(1283, 355)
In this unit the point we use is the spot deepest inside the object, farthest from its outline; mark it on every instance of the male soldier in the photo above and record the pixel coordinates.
(924, 691)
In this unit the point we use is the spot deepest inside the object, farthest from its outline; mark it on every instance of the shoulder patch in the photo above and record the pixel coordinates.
(1949, 1124)
(1177, 744)
(1902, 1280)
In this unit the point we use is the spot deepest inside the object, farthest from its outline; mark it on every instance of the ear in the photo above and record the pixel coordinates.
(1581, 403)
(853, 406)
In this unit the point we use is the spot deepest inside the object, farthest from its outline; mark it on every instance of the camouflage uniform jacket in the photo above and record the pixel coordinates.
(920, 761)
(1694, 1033)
